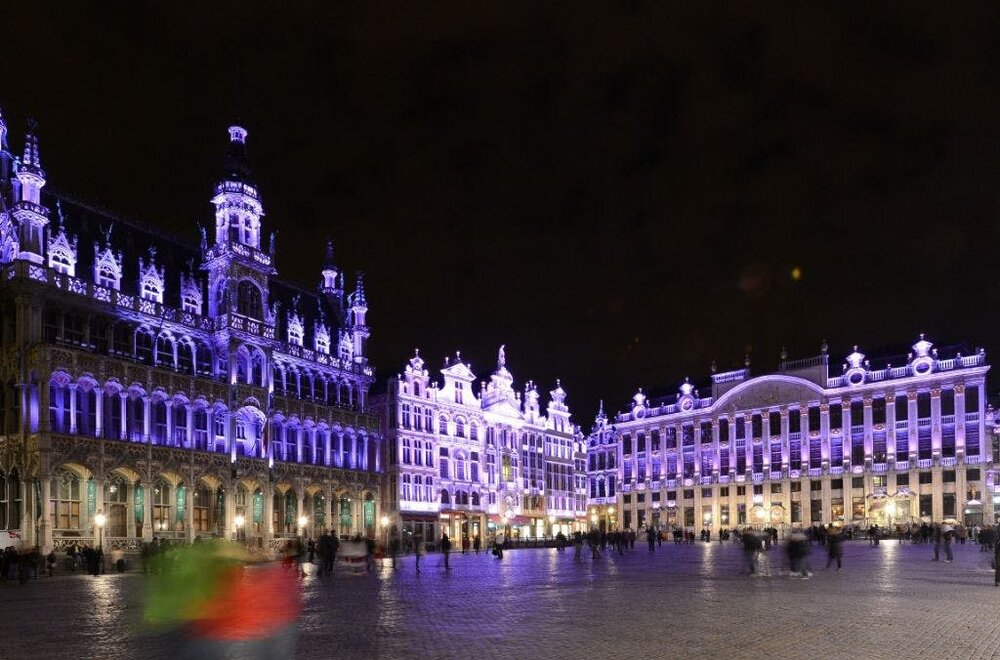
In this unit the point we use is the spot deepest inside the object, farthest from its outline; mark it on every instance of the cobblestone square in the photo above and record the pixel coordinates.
(680, 601)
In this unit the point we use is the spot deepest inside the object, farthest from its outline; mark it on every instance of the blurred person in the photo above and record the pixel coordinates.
(418, 549)
(751, 546)
(446, 549)
(798, 550)
(834, 547)
(223, 607)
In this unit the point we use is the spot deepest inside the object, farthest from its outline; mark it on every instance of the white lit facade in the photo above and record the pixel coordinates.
(897, 443)
(468, 462)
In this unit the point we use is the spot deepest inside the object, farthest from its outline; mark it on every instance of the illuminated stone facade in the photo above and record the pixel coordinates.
(182, 390)
(468, 463)
(907, 441)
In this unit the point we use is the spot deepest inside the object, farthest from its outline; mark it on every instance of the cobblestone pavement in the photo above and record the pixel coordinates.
(681, 601)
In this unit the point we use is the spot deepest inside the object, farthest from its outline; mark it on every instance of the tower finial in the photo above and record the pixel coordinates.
(502, 357)
(359, 290)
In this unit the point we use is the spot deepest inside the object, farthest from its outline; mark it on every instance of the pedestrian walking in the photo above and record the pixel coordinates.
(577, 545)
(446, 549)
(418, 550)
(751, 546)
(996, 566)
(651, 539)
(798, 549)
(834, 547)
(476, 543)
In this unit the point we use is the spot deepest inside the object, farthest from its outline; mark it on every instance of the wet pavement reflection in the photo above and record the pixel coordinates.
(687, 600)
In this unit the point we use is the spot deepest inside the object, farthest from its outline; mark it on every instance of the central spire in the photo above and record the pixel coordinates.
(236, 164)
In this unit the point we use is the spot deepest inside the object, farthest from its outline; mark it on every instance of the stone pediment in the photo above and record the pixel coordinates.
(767, 392)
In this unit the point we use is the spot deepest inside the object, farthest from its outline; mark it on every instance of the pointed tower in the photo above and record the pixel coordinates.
(238, 269)
(557, 409)
(358, 326)
(9, 245)
(32, 218)
(332, 286)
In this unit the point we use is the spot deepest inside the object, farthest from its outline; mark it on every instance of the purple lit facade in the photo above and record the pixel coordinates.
(474, 464)
(911, 440)
(182, 390)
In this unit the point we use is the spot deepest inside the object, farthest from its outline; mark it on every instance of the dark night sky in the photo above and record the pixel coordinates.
(617, 192)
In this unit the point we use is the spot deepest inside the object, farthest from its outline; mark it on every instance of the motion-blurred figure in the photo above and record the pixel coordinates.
(224, 607)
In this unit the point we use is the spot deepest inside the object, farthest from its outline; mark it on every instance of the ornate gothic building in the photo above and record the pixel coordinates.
(909, 439)
(468, 463)
(181, 390)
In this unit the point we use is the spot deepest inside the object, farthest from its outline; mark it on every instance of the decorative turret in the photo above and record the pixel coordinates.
(107, 264)
(602, 419)
(359, 328)
(530, 400)
(151, 279)
(332, 286)
(321, 333)
(62, 252)
(32, 218)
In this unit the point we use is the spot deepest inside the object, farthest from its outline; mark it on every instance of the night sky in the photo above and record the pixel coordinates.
(619, 193)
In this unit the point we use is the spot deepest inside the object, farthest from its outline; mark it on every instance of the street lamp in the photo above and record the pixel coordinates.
(239, 521)
(385, 530)
(303, 521)
(99, 519)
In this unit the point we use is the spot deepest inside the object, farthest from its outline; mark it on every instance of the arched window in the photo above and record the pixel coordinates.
(443, 425)
(10, 500)
(459, 428)
(445, 498)
(66, 505)
(116, 506)
(162, 506)
(475, 499)
(473, 432)
(144, 346)
(185, 357)
(248, 300)
(202, 509)
(164, 352)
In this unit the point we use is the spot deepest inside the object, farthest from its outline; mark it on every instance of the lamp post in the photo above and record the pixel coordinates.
(303, 521)
(385, 531)
(239, 521)
(99, 519)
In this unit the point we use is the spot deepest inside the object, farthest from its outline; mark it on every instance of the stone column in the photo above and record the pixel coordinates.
(301, 511)
(911, 417)
(732, 447)
(189, 511)
(99, 412)
(869, 439)
(765, 442)
(936, 423)
(147, 511)
(890, 429)
(146, 418)
(824, 434)
(190, 426)
(229, 530)
(785, 439)
(71, 393)
(169, 440)
(123, 402)
(44, 523)
(748, 449)
(268, 527)
(697, 454)
(984, 443)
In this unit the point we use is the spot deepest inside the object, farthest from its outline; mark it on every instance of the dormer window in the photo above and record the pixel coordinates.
(191, 305)
(59, 263)
(458, 393)
(150, 291)
(107, 279)
(295, 335)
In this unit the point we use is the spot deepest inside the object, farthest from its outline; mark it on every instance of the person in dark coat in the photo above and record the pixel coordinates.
(651, 539)
(996, 565)
(446, 549)
(834, 548)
